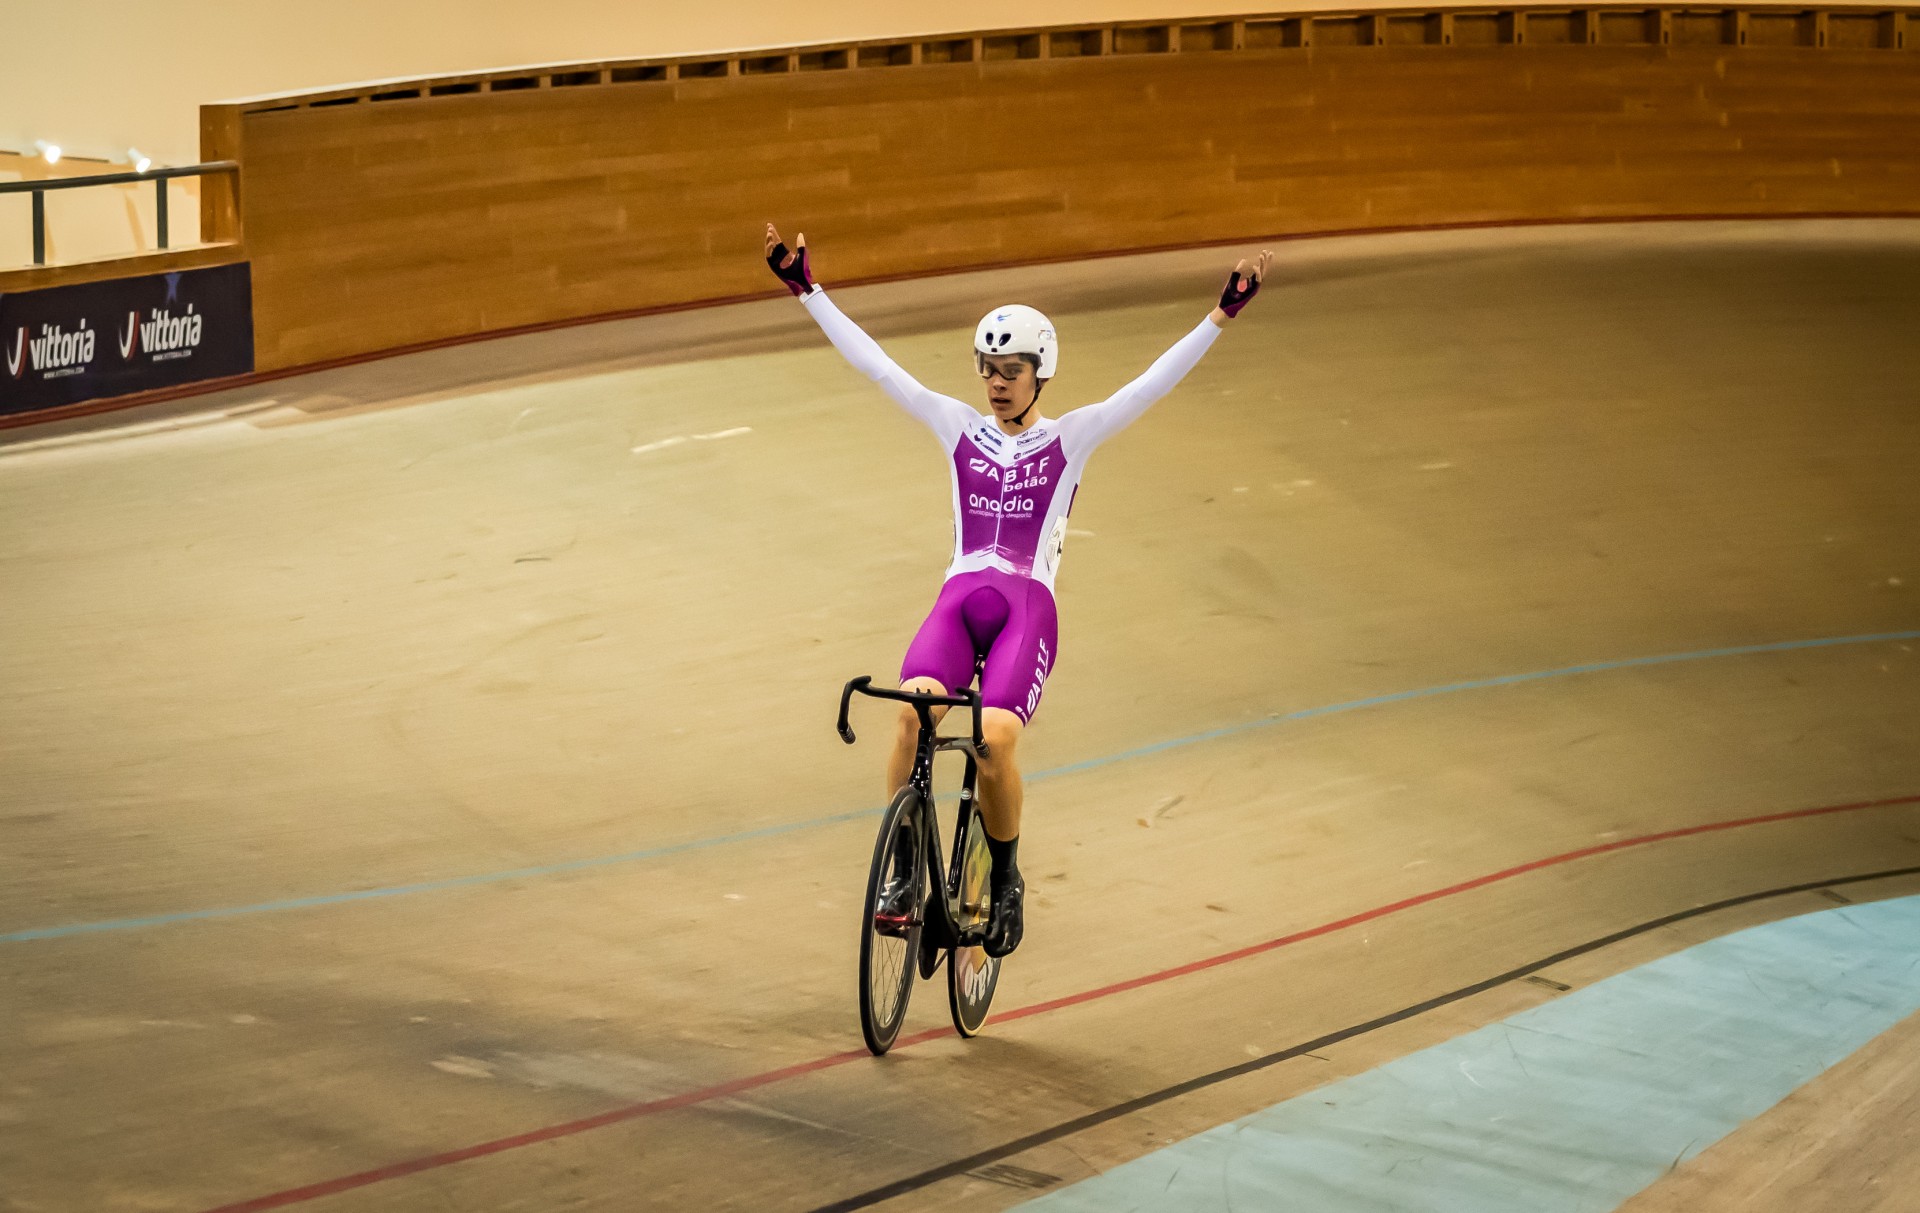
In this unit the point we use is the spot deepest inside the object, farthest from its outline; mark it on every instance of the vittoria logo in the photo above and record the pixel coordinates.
(168, 336)
(167, 329)
(55, 352)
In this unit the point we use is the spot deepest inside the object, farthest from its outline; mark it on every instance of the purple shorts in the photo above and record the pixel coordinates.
(1007, 617)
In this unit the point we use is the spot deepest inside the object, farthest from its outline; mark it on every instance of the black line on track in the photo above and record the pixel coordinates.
(960, 1166)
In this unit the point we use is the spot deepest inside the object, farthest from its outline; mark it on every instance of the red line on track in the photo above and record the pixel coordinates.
(361, 1179)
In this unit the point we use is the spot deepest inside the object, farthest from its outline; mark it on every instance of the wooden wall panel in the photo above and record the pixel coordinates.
(378, 224)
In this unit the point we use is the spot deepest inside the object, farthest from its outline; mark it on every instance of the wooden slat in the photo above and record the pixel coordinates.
(380, 224)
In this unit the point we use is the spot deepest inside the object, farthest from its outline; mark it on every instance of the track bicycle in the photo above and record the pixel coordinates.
(953, 900)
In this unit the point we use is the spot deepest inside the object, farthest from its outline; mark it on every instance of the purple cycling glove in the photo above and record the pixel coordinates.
(798, 276)
(1240, 289)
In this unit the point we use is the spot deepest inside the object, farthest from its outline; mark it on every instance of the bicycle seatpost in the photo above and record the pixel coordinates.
(979, 741)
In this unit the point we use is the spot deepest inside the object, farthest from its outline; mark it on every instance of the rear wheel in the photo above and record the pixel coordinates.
(971, 973)
(889, 944)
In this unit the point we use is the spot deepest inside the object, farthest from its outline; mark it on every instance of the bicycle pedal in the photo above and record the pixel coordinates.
(898, 925)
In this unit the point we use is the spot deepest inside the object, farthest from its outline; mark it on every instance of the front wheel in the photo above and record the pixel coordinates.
(889, 943)
(971, 973)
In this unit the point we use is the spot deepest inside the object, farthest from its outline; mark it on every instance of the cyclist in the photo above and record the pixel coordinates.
(1015, 474)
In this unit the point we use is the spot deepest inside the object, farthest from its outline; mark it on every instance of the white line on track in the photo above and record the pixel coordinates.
(677, 439)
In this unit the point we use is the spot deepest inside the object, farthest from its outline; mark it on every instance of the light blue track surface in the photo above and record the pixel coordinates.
(774, 831)
(1575, 1105)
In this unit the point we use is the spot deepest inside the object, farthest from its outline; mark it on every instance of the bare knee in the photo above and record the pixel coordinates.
(909, 727)
(1001, 730)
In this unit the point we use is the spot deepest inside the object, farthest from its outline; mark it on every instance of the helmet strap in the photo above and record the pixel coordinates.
(1031, 404)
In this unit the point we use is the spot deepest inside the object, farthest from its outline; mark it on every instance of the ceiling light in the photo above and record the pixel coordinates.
(140, 161)
(50, 152)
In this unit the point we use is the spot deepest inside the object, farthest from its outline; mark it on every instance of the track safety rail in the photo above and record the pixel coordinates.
(159, 176)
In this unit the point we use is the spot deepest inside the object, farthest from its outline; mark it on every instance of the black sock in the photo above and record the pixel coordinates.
(1004, 869)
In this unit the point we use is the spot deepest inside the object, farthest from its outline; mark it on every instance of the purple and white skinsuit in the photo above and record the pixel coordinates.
(1011, 497)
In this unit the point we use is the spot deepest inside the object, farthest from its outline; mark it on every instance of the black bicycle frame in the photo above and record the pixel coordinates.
(947, 932)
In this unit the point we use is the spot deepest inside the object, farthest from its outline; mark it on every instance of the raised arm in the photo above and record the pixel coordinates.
(943, 414)
(1098, 422)
(866, 356)
(1095, 423)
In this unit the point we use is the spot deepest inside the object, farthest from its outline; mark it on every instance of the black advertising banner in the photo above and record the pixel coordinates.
(67, 344)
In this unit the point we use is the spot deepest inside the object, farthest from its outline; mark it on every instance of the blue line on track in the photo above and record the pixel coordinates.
(1477, 684)
(1073, 768)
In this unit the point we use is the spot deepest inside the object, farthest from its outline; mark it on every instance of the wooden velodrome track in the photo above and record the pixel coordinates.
(420, 789)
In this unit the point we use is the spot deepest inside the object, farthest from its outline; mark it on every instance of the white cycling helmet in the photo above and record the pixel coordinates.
(1018, 329)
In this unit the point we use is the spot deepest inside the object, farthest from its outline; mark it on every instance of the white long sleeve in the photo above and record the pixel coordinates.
(1095, 423)
(944, 415)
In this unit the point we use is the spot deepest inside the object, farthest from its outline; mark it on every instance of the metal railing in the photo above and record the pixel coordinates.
(159, 177)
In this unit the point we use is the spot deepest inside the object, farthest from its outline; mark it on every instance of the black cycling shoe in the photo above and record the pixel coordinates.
(896, 911)
(1008, 923)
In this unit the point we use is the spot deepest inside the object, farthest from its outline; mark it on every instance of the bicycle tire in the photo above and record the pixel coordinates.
(972, 975)
(887, 959)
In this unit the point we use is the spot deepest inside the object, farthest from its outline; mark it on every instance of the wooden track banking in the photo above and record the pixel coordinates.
(421, 790)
